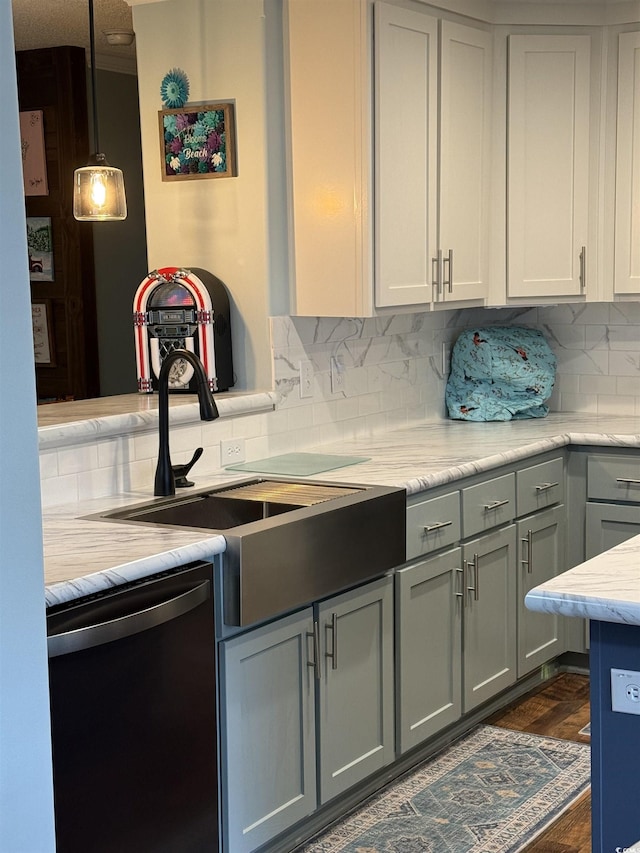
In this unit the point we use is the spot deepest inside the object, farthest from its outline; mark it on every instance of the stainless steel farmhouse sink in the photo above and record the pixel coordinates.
(289, 542)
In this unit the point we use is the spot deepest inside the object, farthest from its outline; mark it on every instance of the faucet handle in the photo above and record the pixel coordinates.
(180, 471)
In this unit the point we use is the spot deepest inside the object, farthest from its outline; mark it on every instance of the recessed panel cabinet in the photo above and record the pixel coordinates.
(550, 178)
(307, 711)
(627, 207)
(390, 194)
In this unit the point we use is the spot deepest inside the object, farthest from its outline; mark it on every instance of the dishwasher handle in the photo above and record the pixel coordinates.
(102, 633)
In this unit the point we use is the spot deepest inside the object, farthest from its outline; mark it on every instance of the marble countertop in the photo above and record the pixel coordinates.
(83, 556)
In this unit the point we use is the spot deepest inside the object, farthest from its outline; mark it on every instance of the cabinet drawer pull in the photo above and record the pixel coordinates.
(495, 505)
(437, 525)
(333, 654)
(628, 480)
(543, 487)
(528, 561)
(315, 663)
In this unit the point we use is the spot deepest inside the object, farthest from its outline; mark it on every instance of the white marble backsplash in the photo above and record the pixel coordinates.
(393, 375)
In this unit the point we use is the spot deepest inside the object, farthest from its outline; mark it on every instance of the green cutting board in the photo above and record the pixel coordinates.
(298, 464)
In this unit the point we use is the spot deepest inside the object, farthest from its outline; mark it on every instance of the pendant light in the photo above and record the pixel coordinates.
(98, 191)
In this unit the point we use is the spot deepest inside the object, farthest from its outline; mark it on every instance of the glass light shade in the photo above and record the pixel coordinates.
(98, 192)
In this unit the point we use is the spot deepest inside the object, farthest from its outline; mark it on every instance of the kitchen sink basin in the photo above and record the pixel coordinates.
(289, 542)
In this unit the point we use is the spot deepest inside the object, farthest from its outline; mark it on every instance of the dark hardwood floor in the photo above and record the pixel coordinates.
(559, 708)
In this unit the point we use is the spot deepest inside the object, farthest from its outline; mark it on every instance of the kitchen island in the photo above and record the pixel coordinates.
(606, 590)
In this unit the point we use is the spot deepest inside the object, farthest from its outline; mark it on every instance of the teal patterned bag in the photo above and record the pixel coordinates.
(499, 373)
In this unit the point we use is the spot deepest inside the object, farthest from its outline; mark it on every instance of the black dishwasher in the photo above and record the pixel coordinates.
(133, 714)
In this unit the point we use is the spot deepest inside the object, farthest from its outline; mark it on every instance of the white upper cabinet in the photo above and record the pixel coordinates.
(432, 159)
(465, 160)
(549, 176)
(389, 131)
(406, 114)
(627, 203)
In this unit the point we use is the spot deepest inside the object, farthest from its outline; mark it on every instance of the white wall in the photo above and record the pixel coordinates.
(26, 794)
(221, 224)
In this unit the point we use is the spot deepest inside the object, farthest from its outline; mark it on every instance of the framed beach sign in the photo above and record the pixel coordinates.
(34, 158)
(198, 142)
(40, 245)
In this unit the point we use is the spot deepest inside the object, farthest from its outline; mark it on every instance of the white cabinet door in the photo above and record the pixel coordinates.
(548, 165)
(627, 222)
(465, 160)
(405, 154)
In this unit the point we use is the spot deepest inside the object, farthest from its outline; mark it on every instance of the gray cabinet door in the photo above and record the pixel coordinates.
(268, 731)
(541, 555)
(356, 690)
(428, 647)
(489, 622)
(609, 525)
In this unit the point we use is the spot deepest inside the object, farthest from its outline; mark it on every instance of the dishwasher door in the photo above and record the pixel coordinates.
(133, 713)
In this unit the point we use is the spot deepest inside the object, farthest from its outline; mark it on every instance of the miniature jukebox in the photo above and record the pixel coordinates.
(176, 308)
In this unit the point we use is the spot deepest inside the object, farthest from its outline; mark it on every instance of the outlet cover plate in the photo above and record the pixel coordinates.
(231, 451)
(625, 691)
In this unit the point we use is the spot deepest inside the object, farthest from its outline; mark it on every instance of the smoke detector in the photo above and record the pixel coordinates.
(120, 37)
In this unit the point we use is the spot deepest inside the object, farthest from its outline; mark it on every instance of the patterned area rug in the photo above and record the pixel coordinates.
(491, 792)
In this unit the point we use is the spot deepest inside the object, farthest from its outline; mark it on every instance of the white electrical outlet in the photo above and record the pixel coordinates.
(306, 379)
(232, 451)
(625, 691)
(338, 378)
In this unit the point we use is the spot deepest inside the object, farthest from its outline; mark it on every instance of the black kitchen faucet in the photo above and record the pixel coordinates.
(166, 474)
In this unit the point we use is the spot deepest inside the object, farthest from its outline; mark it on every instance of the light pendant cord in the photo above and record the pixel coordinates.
(92, 46)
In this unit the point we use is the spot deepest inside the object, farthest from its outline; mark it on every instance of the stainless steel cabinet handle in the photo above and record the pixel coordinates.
(126, 626)
(543, 487)
(449, 279)
(437, 276)
(495, 505)
(475, 589)
(333, 654)
(460, 594)
(583, 268)
(528, 561)
(315, 663)
(437, 525)
(628, 480)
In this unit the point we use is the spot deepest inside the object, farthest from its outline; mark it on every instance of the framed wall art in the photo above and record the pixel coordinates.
(34, 158)
(43, 347)
(198, 142)
(40, 245)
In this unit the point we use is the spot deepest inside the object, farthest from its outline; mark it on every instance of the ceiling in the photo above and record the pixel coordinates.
(51, 23)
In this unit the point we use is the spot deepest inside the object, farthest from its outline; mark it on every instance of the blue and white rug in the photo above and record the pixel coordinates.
(491, 792)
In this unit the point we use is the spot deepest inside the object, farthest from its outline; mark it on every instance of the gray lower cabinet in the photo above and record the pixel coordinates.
(356, 688)
(489, 622)
(609, 525)
(268, 743)
(429, 606)
(307, 711)
(541, 556)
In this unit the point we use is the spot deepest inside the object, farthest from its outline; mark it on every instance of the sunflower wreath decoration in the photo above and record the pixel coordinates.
(174, 89)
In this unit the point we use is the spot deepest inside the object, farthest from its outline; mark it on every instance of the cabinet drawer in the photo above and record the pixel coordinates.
(540, 486)
(488, 504)
(614, 478)
(433, 524)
